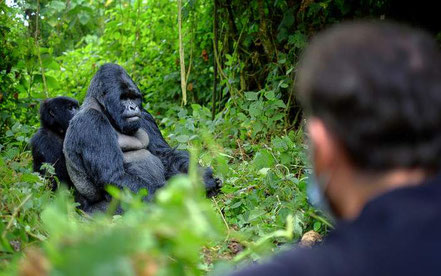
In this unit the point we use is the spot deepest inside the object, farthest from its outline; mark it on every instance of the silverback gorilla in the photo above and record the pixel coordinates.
(47, 143)
(112, 140)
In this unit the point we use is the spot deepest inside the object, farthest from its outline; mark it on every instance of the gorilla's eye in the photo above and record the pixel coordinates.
(129, 96)
(70, 107)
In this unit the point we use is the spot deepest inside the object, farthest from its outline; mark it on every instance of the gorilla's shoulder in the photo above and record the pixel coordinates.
(147, 116)
(41, 132)
(89, 126)
(42, 136)
(88, 117)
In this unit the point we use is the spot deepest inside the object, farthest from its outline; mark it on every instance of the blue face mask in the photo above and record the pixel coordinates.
(315, 191)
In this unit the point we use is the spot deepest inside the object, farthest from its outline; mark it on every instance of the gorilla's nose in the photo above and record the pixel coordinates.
(132, 113)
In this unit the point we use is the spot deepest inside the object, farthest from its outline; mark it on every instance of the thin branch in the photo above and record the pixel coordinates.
(288, 105)
(192, 48)
(189, 67)
(137, 35)
(181, 55)
(37, 45)
(215, 49)
(231, 18)
(223, 219)
(263, 31)
(14, 215)
(321, 219)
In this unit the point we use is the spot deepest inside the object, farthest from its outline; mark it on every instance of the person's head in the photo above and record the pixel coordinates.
(372, 94)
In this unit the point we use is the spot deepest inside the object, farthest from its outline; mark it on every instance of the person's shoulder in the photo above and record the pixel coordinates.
(323, 260)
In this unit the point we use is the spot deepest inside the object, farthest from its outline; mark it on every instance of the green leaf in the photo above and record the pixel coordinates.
(183, 138)
(264, 171)
(285, 158)
(256, 109)
(52, 83)
(251, 96)
(317, 226)
(278, 116)
(279, 144)
(263, 159)
(116, 35)
(255, 214)
(50, 63)
(290, 70)
(280, 103)
(270, 95)
(83, 17)
(235, 205)
(44, 50)
(28, 177)
(57, 5)
(284, 85)
(299, 40)
(298, 229)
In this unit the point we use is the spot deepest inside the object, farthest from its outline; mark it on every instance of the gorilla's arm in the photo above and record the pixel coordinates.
(174, 161)
(47, 147)
(40, 144)
(91, 145)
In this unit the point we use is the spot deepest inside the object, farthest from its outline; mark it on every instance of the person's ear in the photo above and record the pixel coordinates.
(323, 145)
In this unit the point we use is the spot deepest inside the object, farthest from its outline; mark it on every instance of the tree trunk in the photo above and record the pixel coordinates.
(263, 31)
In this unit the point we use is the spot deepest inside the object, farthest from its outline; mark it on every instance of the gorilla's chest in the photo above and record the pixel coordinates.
(138, 160)
(134, 147)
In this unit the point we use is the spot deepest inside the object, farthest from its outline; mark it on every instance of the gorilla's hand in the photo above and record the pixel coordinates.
(212, 184)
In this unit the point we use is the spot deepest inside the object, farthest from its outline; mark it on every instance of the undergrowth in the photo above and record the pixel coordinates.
(261, 208)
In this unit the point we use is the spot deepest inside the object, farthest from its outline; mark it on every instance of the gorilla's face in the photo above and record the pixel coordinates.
(56, 113)
(123, 104)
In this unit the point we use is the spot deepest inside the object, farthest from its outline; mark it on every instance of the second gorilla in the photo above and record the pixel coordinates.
(112, 140)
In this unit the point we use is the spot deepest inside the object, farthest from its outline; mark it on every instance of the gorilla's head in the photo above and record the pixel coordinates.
(118, 96)
(56, 113)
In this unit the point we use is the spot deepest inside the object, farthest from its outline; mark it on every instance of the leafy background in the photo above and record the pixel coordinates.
(241, 117)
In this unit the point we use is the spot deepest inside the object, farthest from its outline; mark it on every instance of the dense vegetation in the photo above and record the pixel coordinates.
(224, 91)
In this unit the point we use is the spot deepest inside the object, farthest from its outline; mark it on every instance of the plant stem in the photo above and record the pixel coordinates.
(37, 45)
(215, 23)
(14, 215)
(181, 55)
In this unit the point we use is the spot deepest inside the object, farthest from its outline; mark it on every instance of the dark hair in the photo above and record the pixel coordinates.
(55, 113)
(377, 87)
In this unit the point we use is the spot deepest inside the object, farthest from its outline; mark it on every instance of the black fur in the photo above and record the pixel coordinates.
(175, 161)
(93, 152)
(47, 143)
